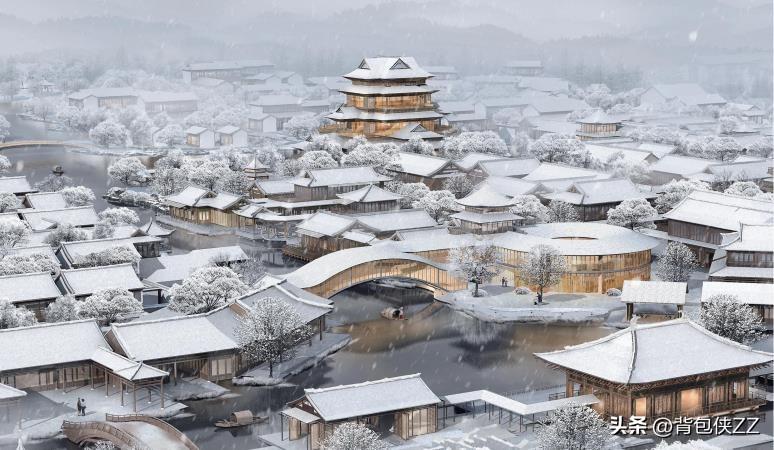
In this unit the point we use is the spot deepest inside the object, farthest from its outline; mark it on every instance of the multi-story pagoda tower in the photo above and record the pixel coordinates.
(389, 97)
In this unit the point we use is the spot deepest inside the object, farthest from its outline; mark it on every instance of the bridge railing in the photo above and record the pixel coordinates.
(76, 431)
(155, 422)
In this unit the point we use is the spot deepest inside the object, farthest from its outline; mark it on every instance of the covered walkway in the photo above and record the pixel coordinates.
(526, 412)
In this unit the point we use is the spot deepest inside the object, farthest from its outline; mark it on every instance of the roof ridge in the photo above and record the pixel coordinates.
(361, 384)
(25, 274)
(95, 267)
(49, 324)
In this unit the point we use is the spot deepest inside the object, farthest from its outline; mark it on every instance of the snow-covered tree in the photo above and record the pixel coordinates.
(659, 135)
(13, 317)
(728, 124)
(416, 144)
(381, 157)
(325, 143)
(77, 196)
(560, 148)
(13, 232)
(116, 255)
(520, 144)
(722, 149)
(637, 172)
(174, 159)
(763, 147)
(529, 207)
(458, 184)
(63, 309)
(317, 159)
(353, 436)
(5, 165)
(675, 191)
(205, 289)
(574, 427)
(109, 305)
(676, 263)
(162, 119)
(128, 171)
(5, 128)
(169, 180)
(507, 116)
(235, 183)
(234, 159)
(559, 211)
(476, 263)
(543, 268)
(437, 203)
(726, 316)
(110, 218)
(744, 188)
(53, 183)
(456, 147)
(250, 270)
(632, 213)
(271, 329)
(9, 202)
(109, 132)
(411, 192)
(32, 263)
(206, 173)
(302, 126)
(141, 131)
(171, 135)
(65, 232)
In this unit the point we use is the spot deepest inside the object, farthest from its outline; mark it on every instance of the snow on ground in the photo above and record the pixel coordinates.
(502, 305)
(306, 357)
(194, 389)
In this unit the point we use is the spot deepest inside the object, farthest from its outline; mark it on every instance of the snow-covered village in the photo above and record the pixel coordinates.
(374, 225)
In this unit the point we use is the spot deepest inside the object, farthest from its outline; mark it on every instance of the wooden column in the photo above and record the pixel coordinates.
(161, 393)
(107, 384)
(629, 311)
(122, 393)
(91, 375)
(134, 395)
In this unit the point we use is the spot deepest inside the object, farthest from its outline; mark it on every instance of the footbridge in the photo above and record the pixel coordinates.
(133, 431)
(37, 143)
(330, 274)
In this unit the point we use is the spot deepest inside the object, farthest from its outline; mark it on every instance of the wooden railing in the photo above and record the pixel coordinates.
(80, 432)
(155, 422)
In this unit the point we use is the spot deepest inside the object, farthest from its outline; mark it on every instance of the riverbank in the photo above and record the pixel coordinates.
(501, 305)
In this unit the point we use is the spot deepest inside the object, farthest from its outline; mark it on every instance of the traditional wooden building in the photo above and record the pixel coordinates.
(415, 168)
(592, 199)
(76, 254)
(257, 170)
(503, 167)
(598, 125)
(369, 199)
(403, 404)
(662, 370)
(81, 283)
(745, 255)
(16, 185)
(663, 293)
(34, 291)
(199, 137)
(486, 211)
(387, 95)
(202, 206)
(323, 184)
(225, 70)
(701, 219)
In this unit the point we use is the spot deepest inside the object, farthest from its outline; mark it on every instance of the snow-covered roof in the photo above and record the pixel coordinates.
(308, 306)
(75, 251)
(173, 337)
(414, 129)
(656, 352)
(662, 292)
(555, 105)
(509, 167)
(277, 100)
(422, 165)
(331, 264)
(49, 344)
(371, 397)
(750, 238)
(721, 211)
(228, 129)
(749, 293)
(104, 92)
(166, 96)
(551, 171)
(741, 171)
(195, 130)
(339, 176)
(486, 197)
(578, 238)
(152, 228)
(524, 63)
(369, 194)
(255, 164)
(688, 93)
(598, 117)
(603, 152)
(43, 249)
(28, 287)
(197, 197)
(359, 236)
(352, 113)
(366, 89)
(428, 239)
(46, 200)
(16, 185)
(544, 84)
(517, 407)
(491, 217)
(402, 219)
(324, 223)
(125, 367)
(88, 280)
(9, 393)
(388, 68)
(763, 273)
(469, 161)
(276, 187)
(681, 165)
(170, 268)
(595, 192)
(228, 65)
(511, 186)
(81, 216)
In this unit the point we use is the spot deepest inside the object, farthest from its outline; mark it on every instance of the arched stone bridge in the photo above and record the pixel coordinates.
(330, 274)
(36, 143)
(133, 431)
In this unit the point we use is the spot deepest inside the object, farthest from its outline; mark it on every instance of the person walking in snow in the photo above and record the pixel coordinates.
(79, 405)
(83, 407)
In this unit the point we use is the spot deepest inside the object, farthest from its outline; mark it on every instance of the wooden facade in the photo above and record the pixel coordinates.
(700, 234)
(205, 216)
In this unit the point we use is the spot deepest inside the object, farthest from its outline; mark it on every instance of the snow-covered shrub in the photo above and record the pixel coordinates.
(613, 292)
(13, 317)
(726, 316)
(64, 232)
(9, 202)
(676, 263)
(205, 289)
(77, 196)
(35, 262)
(135, 198)
(63, 309)
(574, 427)
(353, 436)
(522, 290)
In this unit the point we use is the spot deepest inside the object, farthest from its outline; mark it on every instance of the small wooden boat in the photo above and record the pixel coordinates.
(393, 313)
(240, 419)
